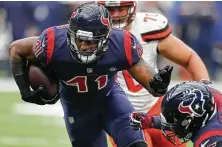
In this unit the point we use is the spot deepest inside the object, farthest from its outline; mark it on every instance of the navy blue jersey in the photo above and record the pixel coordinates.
(211, 134)
(86, 82)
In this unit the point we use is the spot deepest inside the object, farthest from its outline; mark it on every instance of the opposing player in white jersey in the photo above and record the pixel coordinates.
(154, 34)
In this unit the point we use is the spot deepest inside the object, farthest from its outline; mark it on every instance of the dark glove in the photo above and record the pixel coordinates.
(38, 96)
(33, 96)
(160, 82)
(51, 100)
(26, 94)
(139, 120)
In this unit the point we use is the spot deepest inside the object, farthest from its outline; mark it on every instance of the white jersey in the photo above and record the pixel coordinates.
(148, 29)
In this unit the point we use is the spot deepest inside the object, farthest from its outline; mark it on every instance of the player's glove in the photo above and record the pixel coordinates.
(50, 100)
(26, 94)
(33, 96)
(139, 120)
(160, 82)
(38, 96)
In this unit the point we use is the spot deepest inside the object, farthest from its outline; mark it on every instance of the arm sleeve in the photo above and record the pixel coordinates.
(132, 47)
(43, 49)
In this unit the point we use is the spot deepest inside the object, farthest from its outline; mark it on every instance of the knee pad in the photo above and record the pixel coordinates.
(81, 143)
(138, 144)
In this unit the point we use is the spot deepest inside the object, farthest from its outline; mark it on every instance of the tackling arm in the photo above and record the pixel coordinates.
(177, 51)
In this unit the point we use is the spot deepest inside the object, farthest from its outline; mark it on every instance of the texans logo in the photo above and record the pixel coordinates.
(192, 105)
(105, 21)
(74, 13)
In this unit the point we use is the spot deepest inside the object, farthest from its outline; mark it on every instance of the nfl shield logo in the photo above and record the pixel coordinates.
(89, 70)
(71, 120)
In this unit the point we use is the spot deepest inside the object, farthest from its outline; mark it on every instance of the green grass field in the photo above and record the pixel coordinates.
(20, 130)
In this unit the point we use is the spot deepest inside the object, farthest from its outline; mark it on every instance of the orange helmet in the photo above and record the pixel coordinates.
(120, 21)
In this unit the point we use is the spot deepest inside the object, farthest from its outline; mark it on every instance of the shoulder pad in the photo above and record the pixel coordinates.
(154, 26)
(210, 139)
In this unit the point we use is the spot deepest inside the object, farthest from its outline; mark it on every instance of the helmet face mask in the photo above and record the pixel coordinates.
(174, 132)
(126, 12)
(94, 46)
(121, 18)
(186, 108)
(88, 34)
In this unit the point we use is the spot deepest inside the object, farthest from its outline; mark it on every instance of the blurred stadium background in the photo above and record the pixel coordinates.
(199, 24)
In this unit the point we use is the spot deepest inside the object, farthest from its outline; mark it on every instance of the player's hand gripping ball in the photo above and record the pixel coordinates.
(42, 77)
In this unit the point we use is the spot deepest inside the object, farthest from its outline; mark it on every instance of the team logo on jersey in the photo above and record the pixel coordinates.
(89, 70)
(71, 120)
(140, 50)
(192, 105)
(136, 45)
(112, 69)
(204, 144)
(210, 145)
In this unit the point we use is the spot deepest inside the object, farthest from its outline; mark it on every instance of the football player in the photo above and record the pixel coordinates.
(192, 111)
(86, 54)
(154, 34)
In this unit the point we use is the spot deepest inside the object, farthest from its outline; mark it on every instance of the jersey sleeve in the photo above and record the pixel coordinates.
(209, 139)
(156, 27)
(132, 47)
(44, 46)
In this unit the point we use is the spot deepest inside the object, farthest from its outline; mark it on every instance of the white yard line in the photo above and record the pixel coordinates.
(14, 140)
(7, 85)
(28, 141)
(30, 109)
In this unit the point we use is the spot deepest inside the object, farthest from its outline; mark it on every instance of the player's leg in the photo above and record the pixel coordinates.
(147, 139)
(136, 144)
(99, 141)
(115, 115)
(83, 127)
(158, 140)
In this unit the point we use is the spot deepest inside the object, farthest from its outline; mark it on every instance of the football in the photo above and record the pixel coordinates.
(39, 76)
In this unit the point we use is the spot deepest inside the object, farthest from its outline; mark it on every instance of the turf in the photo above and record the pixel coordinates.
(19, 130)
